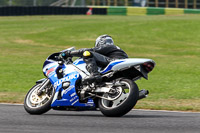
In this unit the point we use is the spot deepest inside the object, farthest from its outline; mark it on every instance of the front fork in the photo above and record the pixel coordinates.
(44, 83)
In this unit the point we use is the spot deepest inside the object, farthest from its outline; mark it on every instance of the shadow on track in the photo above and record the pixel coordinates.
(74, 114)
(101, 115)
(149, 116)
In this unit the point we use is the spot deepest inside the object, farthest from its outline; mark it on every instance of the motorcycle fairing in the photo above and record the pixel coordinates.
(110, 66)
(125, 63)
(78, 62)
(66, 97)
(49, 68)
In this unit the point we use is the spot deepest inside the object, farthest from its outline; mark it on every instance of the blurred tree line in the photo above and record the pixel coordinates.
(26, 2)
(77, 2)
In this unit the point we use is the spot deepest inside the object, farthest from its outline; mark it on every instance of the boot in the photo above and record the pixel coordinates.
(92, 68)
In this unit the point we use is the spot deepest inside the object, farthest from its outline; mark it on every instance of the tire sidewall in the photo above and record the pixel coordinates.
(40, 110)
(126, 106)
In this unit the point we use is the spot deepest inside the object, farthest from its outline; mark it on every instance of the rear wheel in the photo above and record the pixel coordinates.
(39, 104)
(127, 96)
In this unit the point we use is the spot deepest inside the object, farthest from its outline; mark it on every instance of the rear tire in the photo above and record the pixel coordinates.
(35, 104)
(124, 104)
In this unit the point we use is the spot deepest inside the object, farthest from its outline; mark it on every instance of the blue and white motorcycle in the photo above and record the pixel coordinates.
(63, 89)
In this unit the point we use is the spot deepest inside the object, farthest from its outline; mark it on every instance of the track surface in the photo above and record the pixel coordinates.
(14, 119)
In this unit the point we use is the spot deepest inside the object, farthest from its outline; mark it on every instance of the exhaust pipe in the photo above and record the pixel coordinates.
(143, 94)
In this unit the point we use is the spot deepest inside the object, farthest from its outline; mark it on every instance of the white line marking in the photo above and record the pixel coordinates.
(167, 111)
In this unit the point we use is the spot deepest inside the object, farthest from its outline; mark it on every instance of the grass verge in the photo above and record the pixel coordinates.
(172, 41)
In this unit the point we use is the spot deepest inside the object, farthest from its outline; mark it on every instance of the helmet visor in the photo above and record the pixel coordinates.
(109, 41)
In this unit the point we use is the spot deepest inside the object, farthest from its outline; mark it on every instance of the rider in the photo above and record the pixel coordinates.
(101, 55)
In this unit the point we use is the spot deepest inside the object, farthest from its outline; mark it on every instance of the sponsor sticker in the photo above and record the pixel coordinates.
(69, 89)
(73, 94)
(75, 102)
(71, 100)
(70, 77)
(50, 71)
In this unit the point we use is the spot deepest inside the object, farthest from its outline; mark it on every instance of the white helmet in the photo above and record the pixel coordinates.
(104, 40)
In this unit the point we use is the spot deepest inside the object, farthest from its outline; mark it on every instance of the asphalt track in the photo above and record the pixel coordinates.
(14, 119)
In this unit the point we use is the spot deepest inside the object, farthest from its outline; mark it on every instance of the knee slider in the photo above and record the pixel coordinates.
(87, 54)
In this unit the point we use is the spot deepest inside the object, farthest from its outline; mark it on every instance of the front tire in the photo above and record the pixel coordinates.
(124, 103)
(37, 105)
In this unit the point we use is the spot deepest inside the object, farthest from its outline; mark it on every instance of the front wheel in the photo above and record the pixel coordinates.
(124, 103)
(39, 104)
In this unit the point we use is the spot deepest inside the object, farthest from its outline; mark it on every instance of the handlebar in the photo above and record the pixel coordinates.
(62, 61)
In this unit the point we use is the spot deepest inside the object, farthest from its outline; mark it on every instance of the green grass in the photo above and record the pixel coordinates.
(172, 41)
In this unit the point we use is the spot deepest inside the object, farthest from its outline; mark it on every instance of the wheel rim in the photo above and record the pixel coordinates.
(35, 101)
(120, 100)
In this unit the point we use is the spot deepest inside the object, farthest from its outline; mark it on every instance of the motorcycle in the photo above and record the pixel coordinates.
(62, 88)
